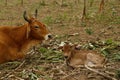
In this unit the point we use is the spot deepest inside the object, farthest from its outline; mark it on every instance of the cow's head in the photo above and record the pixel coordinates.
(36, 29)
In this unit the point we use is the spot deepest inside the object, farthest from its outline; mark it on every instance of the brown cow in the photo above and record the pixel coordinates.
(15, 41)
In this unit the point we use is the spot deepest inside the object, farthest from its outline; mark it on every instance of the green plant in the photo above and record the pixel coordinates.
(61, 17)
(48, 20)
(89, 46)
(42, 50)
(83, 24)
(42, 3)
(105, 52)
(64, 3)
(109, 41)
(51, 55)
(116, 56)
(118, 74)
(89, 31)
(32, 76)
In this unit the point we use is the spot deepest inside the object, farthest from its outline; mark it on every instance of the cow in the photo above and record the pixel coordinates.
(16, 41)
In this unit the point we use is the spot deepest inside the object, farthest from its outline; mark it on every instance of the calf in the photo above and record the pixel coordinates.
(16, 41)
(75, 57)
(88, 58)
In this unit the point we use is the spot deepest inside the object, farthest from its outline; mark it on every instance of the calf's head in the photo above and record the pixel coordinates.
(35, 29)
(66, 49)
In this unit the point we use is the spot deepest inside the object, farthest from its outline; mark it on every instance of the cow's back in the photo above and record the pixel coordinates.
(4, 52)
(6, 39)
(8, 48)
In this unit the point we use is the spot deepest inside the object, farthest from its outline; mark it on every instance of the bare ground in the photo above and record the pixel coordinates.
(102, 30)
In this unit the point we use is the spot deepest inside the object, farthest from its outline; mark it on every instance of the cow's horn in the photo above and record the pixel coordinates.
(26, 17)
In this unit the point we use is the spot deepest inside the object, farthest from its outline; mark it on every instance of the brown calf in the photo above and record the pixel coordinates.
(88, 58)
(15, 41)
(77, 57)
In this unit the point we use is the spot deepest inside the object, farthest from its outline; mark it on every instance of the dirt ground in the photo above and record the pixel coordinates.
(99, 31)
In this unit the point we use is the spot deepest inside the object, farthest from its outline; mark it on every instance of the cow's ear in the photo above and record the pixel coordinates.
(27, 18)
(28, 32)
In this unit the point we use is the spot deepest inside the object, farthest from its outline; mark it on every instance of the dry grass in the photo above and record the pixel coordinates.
(63, 19)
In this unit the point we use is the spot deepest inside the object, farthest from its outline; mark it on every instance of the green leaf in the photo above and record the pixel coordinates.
(109, 41)
(105, 51)
(118, 74)
(32, 76)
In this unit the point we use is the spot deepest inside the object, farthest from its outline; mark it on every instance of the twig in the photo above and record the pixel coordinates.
(110, 73)
(20, 65)
(12, 71)
(18, 78)
(2, 78)
(93, 70)
(100, 73)
(73, 73)
(74, 34)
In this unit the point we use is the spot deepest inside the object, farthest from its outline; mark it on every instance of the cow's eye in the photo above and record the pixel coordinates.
(36, 27)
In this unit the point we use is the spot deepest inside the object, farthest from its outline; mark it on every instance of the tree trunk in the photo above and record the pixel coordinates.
(101, 6)
(91, 3)
(22, 2)
(84, 11)
(6, 2)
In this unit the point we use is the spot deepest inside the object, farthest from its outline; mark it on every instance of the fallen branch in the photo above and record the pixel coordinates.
(74, 34)
(20, 65)
(10, 73)
(100, 73)
(71, 74)
(18, 78)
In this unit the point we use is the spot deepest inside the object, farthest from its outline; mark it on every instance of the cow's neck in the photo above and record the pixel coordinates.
(19, 34)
